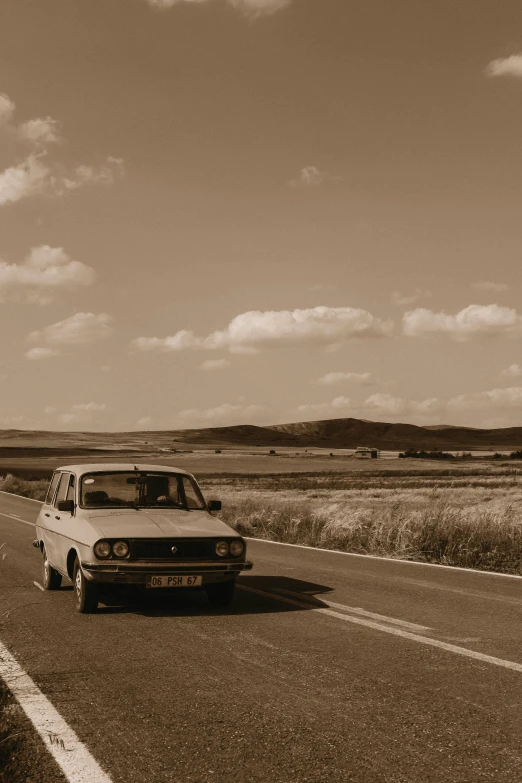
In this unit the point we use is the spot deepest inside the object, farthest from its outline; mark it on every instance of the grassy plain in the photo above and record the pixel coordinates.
(467, 516)
(464, 513)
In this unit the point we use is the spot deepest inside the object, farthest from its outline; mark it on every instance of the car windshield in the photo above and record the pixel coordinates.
(140, 489)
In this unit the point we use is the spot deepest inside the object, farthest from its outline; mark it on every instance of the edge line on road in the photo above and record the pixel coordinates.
(389, 559)
(414, 637)
(61, 741)
(17, 519)
(13, 494)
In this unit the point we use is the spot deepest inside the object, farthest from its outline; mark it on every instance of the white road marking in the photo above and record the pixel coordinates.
(363, 612)
(389, 559)
(517, 667)
(39, 586)
(382, 617)
(17, 519)
(12, 494)
(61, 741)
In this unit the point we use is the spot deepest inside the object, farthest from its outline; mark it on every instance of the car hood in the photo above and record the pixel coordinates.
(131, 523)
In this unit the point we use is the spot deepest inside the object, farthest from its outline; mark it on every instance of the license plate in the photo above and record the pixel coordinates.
(174, 581)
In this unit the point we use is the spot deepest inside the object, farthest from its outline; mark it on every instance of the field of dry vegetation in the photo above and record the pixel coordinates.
(468, 515)
(463, 517)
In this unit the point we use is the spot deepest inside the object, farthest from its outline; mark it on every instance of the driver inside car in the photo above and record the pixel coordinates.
(158, 492)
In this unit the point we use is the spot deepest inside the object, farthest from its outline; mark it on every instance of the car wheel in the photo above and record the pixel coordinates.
(85, 593)
(51, 579)
(221, 594)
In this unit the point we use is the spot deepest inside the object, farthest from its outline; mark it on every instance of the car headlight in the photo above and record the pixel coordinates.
(236, 548)
(102, 549)
(120, 549)
(222, 548)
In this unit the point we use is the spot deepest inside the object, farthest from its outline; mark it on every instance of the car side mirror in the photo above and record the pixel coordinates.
(66, 505)
(214, 505)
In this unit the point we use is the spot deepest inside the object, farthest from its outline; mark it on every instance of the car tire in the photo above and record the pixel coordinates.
(51, 579)
(85, 593)
(221, 593)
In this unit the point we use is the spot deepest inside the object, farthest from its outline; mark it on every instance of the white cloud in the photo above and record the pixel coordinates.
(506, 66)
(485, 285)
(7, 109)
(255, 329)
(222, 415)
(103, 174)
(385, 403)
(34, 177)
(259, 7)
(78, 329)
(89, 407)
(311, 176)
(377, 406)
(16, 422)
(45, 268)
(334, 378)
(78, 414)
(30, 178)
(252, 8)
(386, 407)
(181, 341)
(405, 299)
(81, 414)
(143, 423)
(35, 354)
(340, 406)
(215, 364)
(41, 131)
(494, 399)
(472, 320)
(429, 407)
(35, 174)
(513, 371)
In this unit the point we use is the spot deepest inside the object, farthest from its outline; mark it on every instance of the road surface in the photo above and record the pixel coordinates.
(327, 668)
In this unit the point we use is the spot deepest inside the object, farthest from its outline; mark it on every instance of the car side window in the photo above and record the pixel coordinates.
(52, 487)
(193, 497)
(63, 487)
(70, 490)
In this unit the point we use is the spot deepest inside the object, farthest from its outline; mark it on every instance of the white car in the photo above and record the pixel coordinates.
(145, 525)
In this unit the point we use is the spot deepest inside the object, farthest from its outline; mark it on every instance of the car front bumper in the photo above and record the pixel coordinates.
(137, 573)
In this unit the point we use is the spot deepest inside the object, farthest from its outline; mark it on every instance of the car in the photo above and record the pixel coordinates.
(148, 526)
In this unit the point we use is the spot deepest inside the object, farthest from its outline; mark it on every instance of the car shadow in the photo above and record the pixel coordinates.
(254, 595)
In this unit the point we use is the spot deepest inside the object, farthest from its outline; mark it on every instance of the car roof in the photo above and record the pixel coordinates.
(98, 467)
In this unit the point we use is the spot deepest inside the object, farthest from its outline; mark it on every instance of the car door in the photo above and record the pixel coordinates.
(61, 522)
(46, 519)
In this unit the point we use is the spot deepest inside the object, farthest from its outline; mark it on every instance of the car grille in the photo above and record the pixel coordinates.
(161, 549)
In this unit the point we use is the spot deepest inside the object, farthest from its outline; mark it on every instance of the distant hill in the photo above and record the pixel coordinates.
(241, 434)
(447, 427)
(350, 433)
(330, 433)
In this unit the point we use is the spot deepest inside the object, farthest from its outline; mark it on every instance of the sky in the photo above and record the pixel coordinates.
(219, 212)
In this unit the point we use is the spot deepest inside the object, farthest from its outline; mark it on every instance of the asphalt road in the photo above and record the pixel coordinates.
(299, 681)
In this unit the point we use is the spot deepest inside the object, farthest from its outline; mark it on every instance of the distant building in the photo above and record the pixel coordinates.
(363, 452)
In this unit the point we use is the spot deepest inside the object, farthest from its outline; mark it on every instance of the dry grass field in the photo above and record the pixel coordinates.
(470, 517)
(465, 514)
